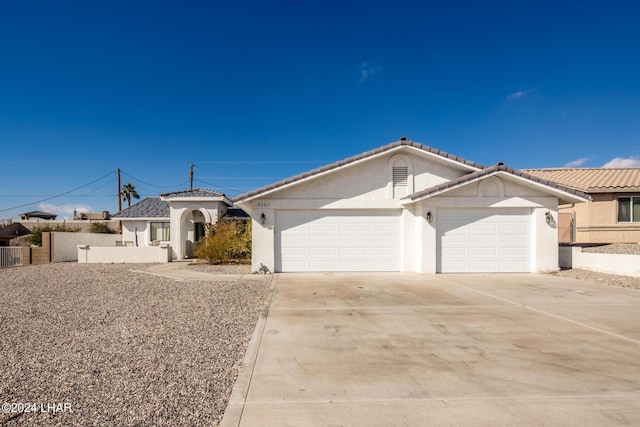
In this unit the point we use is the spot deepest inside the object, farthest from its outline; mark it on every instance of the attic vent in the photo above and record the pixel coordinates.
(400, 176)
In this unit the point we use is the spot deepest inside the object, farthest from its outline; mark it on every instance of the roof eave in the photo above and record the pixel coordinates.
(563, 196)
(353, 161)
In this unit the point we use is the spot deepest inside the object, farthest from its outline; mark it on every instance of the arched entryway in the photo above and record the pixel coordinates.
(192, 230)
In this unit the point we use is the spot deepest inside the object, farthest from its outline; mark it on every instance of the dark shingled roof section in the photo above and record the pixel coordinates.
(403, 142)
(500, 167)
(196, 192)
(14, 230)
(236, 213)
(151, 207)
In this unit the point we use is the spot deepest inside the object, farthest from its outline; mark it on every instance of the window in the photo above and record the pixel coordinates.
(159, 231)
(629, 209)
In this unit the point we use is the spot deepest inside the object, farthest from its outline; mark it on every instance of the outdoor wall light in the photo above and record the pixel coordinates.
(263, 218)
(549, 218)
(429, 217)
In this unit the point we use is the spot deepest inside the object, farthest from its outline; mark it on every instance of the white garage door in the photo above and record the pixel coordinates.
(337, 240)
(484, 240)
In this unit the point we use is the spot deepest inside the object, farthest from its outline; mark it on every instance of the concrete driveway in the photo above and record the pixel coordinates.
(407, 349)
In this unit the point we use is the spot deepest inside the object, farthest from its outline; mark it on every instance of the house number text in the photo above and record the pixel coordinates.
(262, 205)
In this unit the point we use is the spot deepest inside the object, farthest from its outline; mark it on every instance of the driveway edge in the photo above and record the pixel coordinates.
(233, 413)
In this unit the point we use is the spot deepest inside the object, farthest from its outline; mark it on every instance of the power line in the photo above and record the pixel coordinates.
(58, 195)
(274, 162)
(219, 186)
(151, 185)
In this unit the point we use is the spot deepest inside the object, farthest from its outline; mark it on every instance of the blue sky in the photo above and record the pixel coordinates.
(256, 91)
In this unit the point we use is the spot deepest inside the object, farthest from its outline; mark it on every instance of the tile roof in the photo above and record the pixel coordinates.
(593, 180)
(235, 213)
(151, 207)
(403, 142)
(196, 192)
(500, 167)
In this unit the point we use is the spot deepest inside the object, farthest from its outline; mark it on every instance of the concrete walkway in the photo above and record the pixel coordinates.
(180, 271)
(464, 350)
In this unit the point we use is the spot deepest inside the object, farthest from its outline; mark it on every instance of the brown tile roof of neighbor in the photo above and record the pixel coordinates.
(593, 180)
(500, 167)
(402, 142)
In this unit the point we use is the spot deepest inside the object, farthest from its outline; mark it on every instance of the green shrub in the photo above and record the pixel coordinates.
(35, 238)
(101, 228)
(225, 242)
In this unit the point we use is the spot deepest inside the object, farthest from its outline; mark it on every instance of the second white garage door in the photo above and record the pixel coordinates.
(337, 240)
(484, 240)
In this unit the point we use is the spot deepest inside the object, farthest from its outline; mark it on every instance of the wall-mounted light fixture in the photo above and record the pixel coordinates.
(263, 218)
(429, 217)
(549, 218)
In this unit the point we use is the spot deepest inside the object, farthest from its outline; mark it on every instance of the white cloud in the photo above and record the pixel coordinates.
(577, 163)
(65, 211)
(619, 162)
(367, 71)
(520, 94)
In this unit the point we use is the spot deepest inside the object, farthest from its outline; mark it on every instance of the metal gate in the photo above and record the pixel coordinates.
(566, 227)
(10, 256)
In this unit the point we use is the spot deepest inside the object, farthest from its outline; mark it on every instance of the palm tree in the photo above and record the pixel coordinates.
(129, 191)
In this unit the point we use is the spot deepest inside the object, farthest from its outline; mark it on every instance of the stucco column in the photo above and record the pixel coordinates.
(263, 237)
(427, 237)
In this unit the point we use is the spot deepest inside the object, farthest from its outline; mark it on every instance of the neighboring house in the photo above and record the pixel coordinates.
(177, 218)
(407, 207)
(91, 216)
(12, 231)
(37, 214)
(613, 215)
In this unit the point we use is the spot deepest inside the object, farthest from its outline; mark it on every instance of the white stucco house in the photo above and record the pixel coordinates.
(176, 218)
(407, 207)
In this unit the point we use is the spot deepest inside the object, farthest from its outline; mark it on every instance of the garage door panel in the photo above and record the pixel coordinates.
(322, 228)
(351, 227)
(478, 252)
(483, 240)
(479, 239)
(347, 252)
(315, 251)
(318, 265)
(297, 239)
(346, 240)
(352, 265)
(354, 240)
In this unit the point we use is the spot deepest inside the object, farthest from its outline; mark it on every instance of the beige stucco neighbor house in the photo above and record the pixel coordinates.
(176, 218)
(407, 207)
(612, 216)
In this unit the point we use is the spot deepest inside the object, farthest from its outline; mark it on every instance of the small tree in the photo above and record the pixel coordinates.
(225, 242)
(35, 238)
(101, 228)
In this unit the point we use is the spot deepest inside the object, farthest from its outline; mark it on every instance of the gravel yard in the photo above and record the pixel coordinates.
(120, 348)
(222, 268)
(601, 278)
(614, 248)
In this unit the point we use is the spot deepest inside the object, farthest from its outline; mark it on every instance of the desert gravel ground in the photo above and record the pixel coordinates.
(121, 348)
(602, 278)
(614, 248)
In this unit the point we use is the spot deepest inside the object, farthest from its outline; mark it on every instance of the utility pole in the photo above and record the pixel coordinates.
(191, 176)
(119, 200)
